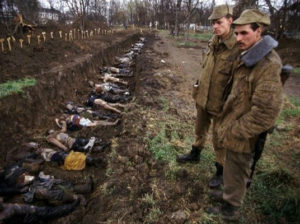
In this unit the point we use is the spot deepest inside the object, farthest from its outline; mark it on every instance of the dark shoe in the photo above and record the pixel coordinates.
(217, 179)
(216, 196)
(213, 210)
(230, 212)
(82, 199)
(192, 157)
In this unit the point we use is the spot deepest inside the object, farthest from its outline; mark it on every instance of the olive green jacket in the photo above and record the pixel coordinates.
(216, 71)
(252, 105)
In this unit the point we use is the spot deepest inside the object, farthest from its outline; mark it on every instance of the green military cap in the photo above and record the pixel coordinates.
(221, 11)
(252, 16)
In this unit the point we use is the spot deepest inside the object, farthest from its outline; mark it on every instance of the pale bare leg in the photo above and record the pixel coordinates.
(105, 105)
(103, 123)
(108, 78)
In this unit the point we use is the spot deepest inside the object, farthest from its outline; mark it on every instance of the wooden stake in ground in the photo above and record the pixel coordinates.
(21, 42)
(8, 42)
(51, 34)
(44, 36)
(39, 39)
(28, 38)
(70, 35)
(2, 46)
(60, 34)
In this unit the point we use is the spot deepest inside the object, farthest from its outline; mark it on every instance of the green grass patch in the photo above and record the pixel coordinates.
(275, 196)
(297, 70)
(275, 139)
(153, 215)
(201, 36)
(289, 112)
(161, 147)
(148, 199)
(10, 87)
(186, 44)
(164, 102)
(295, 101)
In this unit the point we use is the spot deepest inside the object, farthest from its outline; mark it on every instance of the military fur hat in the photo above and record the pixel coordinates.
(252, 16)
(221, 11)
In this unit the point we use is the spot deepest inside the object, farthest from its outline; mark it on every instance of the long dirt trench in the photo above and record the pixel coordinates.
(40, 105)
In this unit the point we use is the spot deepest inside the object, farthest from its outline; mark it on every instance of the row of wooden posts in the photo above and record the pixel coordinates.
(68, 36)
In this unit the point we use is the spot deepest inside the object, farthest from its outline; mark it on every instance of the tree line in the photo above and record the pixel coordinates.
(168, 14)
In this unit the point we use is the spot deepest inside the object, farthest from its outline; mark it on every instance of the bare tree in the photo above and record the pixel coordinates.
(51, 3)
(241, 5)
(79, 9)
(280, 16)
(178, 9)
(191, 7)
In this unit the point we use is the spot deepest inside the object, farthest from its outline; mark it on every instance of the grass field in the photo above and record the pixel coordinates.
(11, 87)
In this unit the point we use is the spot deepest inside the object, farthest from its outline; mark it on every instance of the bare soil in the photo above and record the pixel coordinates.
(129, 172)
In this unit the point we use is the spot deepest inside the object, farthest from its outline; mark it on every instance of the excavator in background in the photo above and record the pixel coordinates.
(21, 26)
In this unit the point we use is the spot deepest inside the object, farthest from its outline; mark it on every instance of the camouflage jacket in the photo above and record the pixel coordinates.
(216, 70)
(254, 101)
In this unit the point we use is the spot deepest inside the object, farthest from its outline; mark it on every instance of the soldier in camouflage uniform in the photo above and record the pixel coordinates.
(209, 90)
(251, 106)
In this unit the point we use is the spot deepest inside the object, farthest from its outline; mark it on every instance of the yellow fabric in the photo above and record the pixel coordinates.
(75, 161)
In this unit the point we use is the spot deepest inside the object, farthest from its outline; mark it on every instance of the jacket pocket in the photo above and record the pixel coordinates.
(225, 69)
(225, 66)
(235, 144)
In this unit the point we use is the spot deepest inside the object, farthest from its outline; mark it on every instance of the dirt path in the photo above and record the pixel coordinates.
(184, 64)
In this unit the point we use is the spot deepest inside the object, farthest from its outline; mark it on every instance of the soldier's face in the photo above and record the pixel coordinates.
(246, 37)
(221, 27)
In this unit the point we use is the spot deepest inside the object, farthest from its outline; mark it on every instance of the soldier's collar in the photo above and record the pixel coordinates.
(258, 51)
(230, 40)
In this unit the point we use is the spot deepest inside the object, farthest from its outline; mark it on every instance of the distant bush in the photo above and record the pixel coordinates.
(297, 70)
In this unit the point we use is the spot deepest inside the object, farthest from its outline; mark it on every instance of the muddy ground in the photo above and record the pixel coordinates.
(137, 182)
